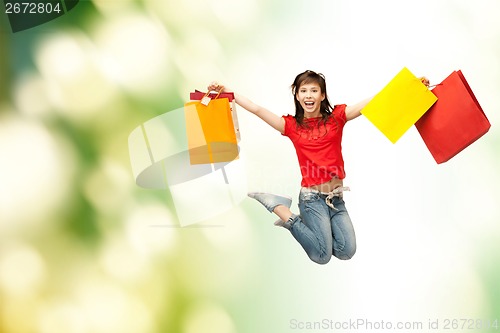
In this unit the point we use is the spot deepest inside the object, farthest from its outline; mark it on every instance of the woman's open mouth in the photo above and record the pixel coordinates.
(309, 105)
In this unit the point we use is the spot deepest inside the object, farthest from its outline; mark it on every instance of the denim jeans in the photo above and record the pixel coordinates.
(321, 230)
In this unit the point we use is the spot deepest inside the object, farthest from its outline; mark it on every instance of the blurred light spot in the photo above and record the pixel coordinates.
(35, 173)
(62, 56)
(22, 269)
(108, 309)
(197, 56)
(201, 42)
(134, 52)
(122, 262)
(236, 14)
(208, 318)
(16, 312)
(112, 7)
(179, 13)
(108, 187)
(148, 229)
(69, 64)
(61, 317)
(31, 95)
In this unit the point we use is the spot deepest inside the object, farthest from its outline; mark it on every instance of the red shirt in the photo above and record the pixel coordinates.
(318, 147)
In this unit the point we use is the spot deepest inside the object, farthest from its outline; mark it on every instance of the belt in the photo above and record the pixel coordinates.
(336, 192)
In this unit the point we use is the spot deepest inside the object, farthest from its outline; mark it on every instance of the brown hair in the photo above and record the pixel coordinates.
(305, 78)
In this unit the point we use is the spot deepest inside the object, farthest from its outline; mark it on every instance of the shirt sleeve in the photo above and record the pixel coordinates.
(288, 123)
(339, 112)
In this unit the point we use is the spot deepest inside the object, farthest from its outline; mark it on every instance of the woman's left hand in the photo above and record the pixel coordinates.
(425, 81)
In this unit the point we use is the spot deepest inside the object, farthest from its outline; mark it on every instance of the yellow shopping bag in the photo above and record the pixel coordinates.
(399, 105)
(210, 131)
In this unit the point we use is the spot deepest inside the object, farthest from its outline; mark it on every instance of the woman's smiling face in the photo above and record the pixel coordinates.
(310, 97)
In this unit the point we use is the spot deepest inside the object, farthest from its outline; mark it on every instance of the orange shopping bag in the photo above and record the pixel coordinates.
(455, 121)
(198, 96)
(210, 131)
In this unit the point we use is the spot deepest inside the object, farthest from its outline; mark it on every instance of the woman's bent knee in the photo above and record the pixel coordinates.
(321, 260)
(346, 253)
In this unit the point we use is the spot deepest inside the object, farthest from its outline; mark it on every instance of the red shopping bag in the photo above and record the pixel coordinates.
(455, 121)
(198, 95)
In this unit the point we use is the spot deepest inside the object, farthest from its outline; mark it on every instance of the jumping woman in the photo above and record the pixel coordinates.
(323, 228)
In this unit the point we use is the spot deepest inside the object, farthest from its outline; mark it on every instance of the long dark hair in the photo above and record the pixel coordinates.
(305, 78)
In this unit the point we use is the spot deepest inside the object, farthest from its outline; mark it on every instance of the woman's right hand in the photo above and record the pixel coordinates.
(215, 86)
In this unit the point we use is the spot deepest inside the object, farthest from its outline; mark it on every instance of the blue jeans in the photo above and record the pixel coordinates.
(321, 230)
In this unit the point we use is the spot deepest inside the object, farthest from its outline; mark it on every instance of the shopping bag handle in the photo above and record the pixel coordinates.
(217, 96)
(206, 99)
(430, 85)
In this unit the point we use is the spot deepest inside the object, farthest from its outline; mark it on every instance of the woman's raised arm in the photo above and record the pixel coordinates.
(273, 120)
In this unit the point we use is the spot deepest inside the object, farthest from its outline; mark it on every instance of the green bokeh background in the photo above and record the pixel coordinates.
(84, 249)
